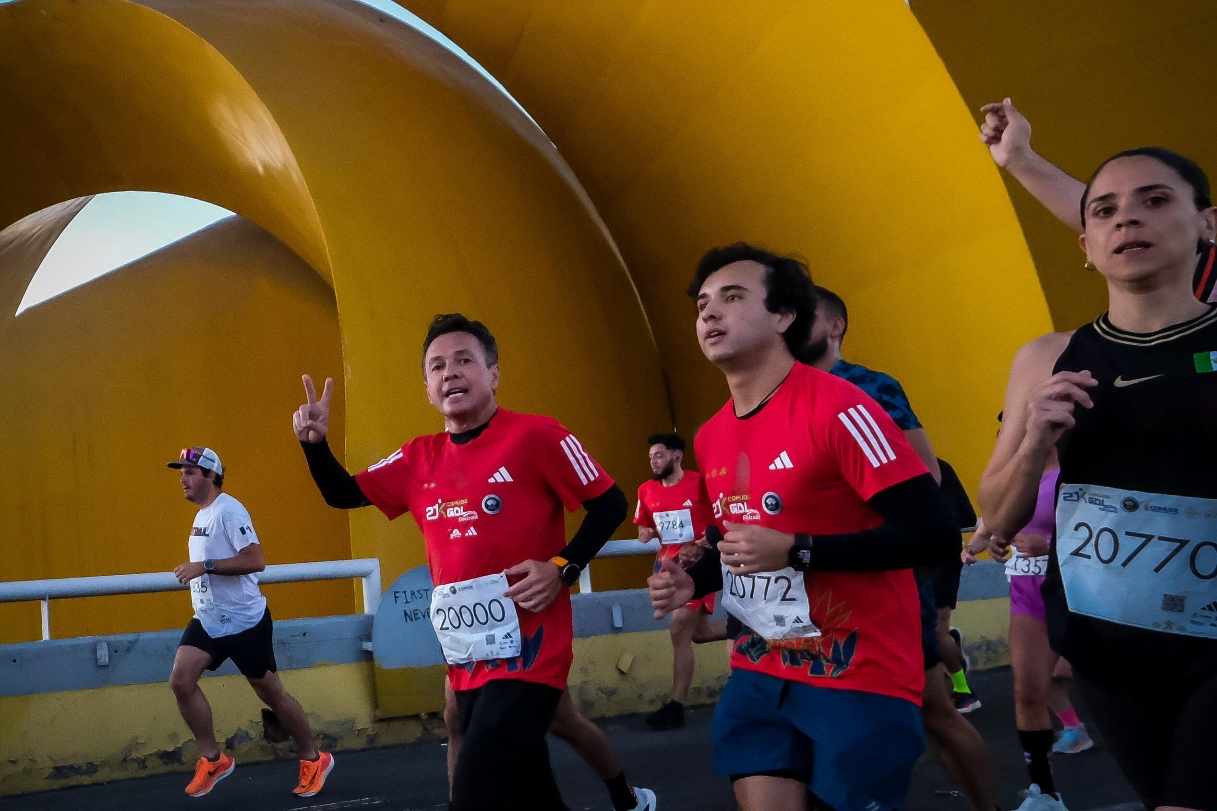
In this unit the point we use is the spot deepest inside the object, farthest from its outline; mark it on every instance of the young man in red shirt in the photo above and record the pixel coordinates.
(488, 494)
(672, 507)
(824, 509)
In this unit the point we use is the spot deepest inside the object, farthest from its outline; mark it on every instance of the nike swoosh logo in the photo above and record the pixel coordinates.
(1121, 382)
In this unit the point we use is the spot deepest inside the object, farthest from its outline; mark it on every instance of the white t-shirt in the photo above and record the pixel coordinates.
(224, 604)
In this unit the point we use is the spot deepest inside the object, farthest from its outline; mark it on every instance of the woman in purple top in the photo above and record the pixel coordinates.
(1039, 673)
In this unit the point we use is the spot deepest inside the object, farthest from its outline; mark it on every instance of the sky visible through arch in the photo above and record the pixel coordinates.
(117, 228)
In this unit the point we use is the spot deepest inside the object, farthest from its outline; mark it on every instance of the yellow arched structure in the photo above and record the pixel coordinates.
(390, 166)
(103, 384)
(828, 129)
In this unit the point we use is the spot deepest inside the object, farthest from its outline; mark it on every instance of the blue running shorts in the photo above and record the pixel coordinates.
(855, 750)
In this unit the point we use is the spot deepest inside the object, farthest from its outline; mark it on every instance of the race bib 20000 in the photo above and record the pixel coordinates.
(774, 604)
(474, 621)
(1140, 559)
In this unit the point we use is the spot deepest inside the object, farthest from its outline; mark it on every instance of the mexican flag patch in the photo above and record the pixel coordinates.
(1205, 361)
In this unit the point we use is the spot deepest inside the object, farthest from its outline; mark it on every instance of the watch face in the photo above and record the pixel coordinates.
(570, 574)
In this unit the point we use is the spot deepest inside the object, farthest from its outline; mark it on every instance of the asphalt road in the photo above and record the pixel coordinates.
(675, 764)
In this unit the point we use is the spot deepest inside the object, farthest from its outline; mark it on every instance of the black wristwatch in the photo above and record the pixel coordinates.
(568, 572)
(800, 553)
(209, 565)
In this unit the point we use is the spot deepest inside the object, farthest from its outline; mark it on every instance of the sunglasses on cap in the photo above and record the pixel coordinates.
(192, 455)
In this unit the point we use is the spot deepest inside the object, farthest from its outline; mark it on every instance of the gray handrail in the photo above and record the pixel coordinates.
(366, 569)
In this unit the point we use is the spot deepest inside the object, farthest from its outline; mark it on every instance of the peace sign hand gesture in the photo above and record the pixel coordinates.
(312, 420)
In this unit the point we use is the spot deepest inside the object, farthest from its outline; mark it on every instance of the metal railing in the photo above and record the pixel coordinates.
(617, 549)
(366, 569)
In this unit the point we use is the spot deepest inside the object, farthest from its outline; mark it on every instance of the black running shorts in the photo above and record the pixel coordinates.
(1161, 739)
(252, 650)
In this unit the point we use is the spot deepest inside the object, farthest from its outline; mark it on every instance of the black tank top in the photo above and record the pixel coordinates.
(1153, 428)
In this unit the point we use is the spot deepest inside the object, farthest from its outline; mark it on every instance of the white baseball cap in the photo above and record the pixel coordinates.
(205, 458)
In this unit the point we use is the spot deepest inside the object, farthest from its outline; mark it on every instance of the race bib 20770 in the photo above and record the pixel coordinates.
(1141, 559)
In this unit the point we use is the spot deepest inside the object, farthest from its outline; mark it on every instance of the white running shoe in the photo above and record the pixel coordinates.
(646, 799)
(1036, 800)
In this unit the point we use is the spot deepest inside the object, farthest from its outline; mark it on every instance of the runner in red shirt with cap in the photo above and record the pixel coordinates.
(488, 495)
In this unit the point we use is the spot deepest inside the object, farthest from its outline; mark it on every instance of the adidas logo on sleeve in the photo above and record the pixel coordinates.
(867, 434)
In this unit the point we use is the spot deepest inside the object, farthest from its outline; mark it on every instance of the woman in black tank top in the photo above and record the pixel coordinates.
(1130, 402)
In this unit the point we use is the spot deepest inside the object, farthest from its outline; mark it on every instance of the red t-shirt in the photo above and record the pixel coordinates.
(687, 494)
(484, 507)
(807, 462)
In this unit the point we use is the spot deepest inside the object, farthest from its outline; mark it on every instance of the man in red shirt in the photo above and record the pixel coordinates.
(488, 495)
(672, 507)
(824, 509)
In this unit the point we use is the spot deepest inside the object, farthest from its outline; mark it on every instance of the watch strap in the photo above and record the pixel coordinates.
(800, 553)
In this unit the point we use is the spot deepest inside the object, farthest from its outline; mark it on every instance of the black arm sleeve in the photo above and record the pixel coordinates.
(605, 513)
(338, 488)
(707, 573)
(918, 529)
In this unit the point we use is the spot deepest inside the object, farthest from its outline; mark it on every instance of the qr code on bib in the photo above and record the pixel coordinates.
(1173, 603)
(490, 637)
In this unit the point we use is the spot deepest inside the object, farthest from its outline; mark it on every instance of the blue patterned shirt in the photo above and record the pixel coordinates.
(883, 389)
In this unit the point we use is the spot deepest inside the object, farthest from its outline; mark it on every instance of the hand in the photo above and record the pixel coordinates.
(1051, 405)
(670, 588)
(750, 548)
(689, 554)
(977, 544)
(312, 420)
(1031, 545)
(647, 534)
(1006, 132)
(999, 548)
(538, 585)
(188, 571)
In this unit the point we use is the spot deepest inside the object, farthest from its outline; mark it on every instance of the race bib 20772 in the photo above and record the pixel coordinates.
(774, 604)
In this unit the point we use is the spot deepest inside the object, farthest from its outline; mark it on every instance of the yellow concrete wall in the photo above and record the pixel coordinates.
(59, 739)
(54, 740)
(67, 738)
(105, 384)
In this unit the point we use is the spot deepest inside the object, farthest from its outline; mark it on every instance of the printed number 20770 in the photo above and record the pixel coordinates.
(1105, 544)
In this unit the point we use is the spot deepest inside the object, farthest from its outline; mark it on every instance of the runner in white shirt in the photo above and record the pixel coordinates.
(231, 621)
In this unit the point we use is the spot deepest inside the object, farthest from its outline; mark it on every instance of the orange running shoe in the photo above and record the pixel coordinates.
(208, 772)
(313, 774)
